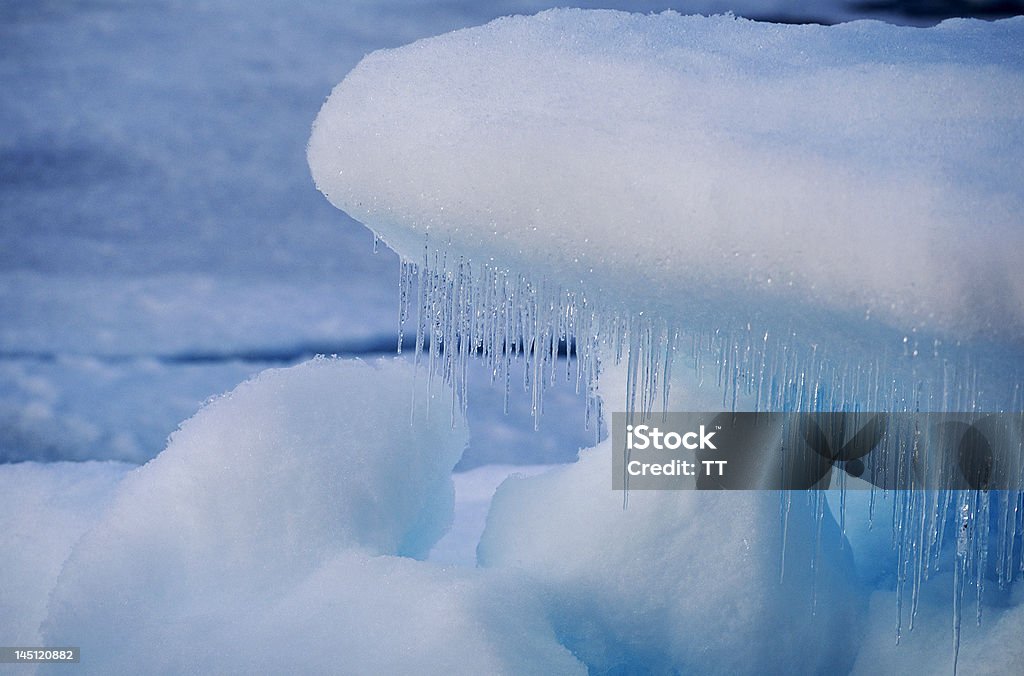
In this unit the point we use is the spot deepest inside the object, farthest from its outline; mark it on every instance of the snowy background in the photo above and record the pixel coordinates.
(160, 237)
(161, 241)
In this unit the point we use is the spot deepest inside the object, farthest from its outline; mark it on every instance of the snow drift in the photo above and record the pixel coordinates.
(681, 581)
(803, 218)
(676, 163)
(274, 532)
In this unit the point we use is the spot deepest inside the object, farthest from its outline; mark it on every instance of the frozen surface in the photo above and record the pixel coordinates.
(473, 492)
(991, 648)
(77, 407)
(680, 581)
(49, 506)
(160, 238)
(764, 217)
(157, 220)
(160, 242)
(44, 509)
(141, 215)
(83, 407)
(699, 167)
(273, 534)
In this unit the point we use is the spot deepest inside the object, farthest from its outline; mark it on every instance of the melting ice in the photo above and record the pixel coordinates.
(798, 218)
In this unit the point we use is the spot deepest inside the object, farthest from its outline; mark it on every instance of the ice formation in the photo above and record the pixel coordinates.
(681, 582)
(827, 217)
(632, 157)
(275, 534)
(794, 217)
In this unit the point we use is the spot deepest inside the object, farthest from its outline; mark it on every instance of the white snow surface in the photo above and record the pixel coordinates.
(162, 243)
(44, 510)
(680, 581)
(291, 511)
(275, 533)
(160, 238)
(473, 492)
(686, 165)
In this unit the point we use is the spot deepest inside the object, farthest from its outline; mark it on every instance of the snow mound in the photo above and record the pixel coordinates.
(990, 648)
(681, 581)
(44, 509)
(308, 454)
(276, 524)
(679, 163)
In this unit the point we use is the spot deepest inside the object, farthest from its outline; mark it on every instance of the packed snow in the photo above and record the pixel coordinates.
(769, 217)
(44, 509)
(816, 217)
(763, 216)
(681, 581)
(160, 238)
(279, 515)
(667, 163)
(274, 533)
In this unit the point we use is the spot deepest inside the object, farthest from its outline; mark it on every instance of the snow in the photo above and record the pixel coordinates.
(44, 510)
(337, 440)
(161, 243)
(625, 157)
(268, 521)
(990, 648)
(274, 533)
(474, 489)
(768, 217)
(680, 581)
(156, 205)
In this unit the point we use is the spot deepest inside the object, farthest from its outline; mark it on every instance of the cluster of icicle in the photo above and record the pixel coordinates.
(530, 333)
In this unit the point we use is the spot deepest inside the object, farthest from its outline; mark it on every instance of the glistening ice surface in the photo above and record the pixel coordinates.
(162, 241)
(790, 217)
(663, 162)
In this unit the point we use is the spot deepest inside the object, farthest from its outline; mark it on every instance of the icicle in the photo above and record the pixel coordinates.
(965, 525)
(405, 275)
(818, 498)
(785, 499)
(465, 310)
